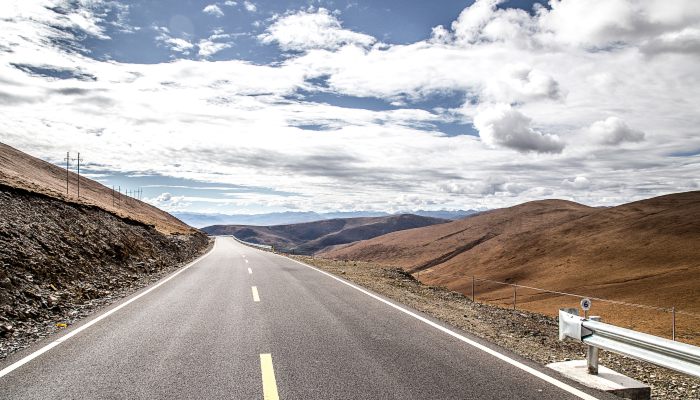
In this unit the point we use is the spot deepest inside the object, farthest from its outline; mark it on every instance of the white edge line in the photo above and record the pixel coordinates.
(479, 346)
(62, 339)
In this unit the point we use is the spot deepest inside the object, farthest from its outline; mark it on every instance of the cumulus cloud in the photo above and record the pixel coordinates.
(208, 47)
(613, 131)
(527, 83)
(250, 6)
(214, 10)
(486, 187)
(163, 197)
(520, 83)
(305, 30)
(601, 24)
(505, 126)
(471, 21)
(578, 183)
(169, 202)
(685, 41)
(176, 44)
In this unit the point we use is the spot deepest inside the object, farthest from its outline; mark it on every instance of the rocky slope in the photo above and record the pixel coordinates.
(21, 170)
(59, 260)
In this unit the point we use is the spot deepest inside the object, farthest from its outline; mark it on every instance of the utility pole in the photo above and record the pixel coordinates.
(120, 194)
(67, 173)
(78, 160)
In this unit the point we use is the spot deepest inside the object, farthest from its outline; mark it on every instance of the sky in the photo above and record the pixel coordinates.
(388, 105)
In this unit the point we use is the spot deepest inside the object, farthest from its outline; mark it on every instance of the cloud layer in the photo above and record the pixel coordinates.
(594, 101)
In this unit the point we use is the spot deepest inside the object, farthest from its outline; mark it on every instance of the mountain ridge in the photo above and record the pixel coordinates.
(643, 252)
(310, 237)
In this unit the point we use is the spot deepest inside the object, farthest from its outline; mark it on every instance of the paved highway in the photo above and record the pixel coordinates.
(245, 324)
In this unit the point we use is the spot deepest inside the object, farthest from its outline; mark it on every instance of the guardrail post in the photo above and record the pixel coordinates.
(673, 323)
(592, 355)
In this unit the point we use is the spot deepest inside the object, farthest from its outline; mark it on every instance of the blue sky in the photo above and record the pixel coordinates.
(261, 106)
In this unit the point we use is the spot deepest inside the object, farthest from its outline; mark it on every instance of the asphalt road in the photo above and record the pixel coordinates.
(241, 323)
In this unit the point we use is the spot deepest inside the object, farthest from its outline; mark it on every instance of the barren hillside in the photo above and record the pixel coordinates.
(643, 252)
(310, 237)
(20, 170)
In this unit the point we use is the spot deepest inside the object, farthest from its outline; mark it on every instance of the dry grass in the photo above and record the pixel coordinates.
(20, 170)
(644, 252)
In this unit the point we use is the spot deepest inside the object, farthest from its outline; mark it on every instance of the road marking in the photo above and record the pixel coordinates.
(268, 377)
(64, 338)
(255, 294)
(246, 261)
(250, 271)
(561, 385)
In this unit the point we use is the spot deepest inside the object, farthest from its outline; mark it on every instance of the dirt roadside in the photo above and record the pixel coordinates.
(531, 335)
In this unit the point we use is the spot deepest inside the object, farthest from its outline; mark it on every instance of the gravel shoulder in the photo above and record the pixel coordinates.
(531, 335)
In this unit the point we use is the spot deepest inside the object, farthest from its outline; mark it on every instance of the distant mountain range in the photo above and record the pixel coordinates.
(310, 237)
(200, 220)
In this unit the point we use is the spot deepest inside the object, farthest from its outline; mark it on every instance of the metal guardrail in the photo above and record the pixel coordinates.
(596, 335)
(517, 296)
(260, 246)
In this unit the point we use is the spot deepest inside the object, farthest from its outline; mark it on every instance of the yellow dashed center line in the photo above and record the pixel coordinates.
(268, 377)
(255, 294)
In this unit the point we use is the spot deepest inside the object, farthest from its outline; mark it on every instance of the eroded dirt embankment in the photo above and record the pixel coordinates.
(60, 261)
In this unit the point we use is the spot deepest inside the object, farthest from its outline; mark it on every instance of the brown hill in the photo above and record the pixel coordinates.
(20, 170)
(643, 252)
(310, 237)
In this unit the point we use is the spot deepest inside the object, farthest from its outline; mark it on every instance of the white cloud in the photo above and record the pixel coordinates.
(578, 183)
(504, 126)
(230, 3)
(164, 197)
(178, 45)
(208, 48)
(214, 10)
(169, 202)
(613, 131)
(250, 6)
(528, 84)
(306, 30)
(470, 23)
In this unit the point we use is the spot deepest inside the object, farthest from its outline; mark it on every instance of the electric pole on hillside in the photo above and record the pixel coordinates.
(78, 160)
(67, 171)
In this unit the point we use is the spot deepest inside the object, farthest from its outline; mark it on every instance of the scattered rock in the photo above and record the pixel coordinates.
(61, 262)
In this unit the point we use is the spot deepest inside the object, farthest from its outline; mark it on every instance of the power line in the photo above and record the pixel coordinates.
(78, 160)
(67, 172)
